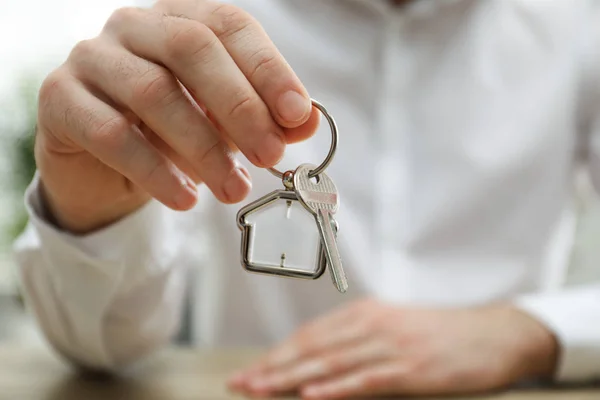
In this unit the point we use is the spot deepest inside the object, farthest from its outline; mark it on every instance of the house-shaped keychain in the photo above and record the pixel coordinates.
(316, 192)
(248, 228)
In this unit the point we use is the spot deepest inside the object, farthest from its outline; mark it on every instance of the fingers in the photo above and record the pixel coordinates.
(372, 380)
(319, 367)
(321, 336)
(109, 136)
(255, 54)
(304, 131)
(318, 335)
(199, 60)
(156, 97)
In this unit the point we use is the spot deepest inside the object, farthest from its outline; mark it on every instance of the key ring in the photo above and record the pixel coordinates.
(317, 196)
(332, 148)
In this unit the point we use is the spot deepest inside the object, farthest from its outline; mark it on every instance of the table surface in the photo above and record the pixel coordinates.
(31, 373)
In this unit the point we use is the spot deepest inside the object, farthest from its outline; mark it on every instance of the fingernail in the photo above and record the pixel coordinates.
(271, 150)
(237, 185)
(187, 197)
(292, 106)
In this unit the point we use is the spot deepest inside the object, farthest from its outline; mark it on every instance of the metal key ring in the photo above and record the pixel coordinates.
(332, 148)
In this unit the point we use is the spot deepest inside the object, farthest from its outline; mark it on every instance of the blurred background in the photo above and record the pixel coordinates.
(35, 37)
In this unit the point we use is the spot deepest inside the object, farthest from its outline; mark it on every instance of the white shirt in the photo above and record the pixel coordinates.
(461, 124)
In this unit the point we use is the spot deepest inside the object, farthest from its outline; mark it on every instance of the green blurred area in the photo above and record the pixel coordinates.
(18, 136)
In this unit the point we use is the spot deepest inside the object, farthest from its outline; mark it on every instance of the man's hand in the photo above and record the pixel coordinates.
(370, 348)
(156, 104)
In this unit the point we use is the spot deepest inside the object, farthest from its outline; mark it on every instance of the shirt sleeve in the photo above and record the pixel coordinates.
(573, 314)
(106, 299)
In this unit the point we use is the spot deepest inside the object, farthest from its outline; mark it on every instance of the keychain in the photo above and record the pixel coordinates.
(319, 196)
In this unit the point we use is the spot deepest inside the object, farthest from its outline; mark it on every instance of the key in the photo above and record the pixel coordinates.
(322, 200)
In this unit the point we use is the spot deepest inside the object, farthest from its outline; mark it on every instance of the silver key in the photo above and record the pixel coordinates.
(322, 200)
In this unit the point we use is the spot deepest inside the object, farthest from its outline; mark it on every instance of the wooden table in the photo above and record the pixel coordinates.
(174, 374)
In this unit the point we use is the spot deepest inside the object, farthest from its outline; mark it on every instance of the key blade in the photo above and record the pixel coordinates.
(332, 254)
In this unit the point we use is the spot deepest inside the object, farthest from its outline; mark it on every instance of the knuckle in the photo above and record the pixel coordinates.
(155, 87)
(83, 50)
(228, 20)
(212, 151)
(121, 17)
(53, 86)
(170, 6)
(263, 62)
(191, 40)
(110, 134)
(244, 105)
(153, 170)
(161, 4)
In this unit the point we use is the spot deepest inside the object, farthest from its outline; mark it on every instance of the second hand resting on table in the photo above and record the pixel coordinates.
(371, 348)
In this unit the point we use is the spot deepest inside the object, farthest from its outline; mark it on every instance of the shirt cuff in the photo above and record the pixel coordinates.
(573, 315)
(136, 241)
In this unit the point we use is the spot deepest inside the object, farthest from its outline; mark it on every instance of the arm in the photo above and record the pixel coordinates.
(573, 314)
(138, 116)
(109, 298)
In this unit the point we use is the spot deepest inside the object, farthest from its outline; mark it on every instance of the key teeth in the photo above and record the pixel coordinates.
(341, 284)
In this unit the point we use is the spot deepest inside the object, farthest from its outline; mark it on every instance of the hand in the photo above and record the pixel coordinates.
(157, 103)
(370, 349)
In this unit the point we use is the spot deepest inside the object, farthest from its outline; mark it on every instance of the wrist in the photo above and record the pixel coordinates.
(83, 218)
(537, 347)
(78, 193)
